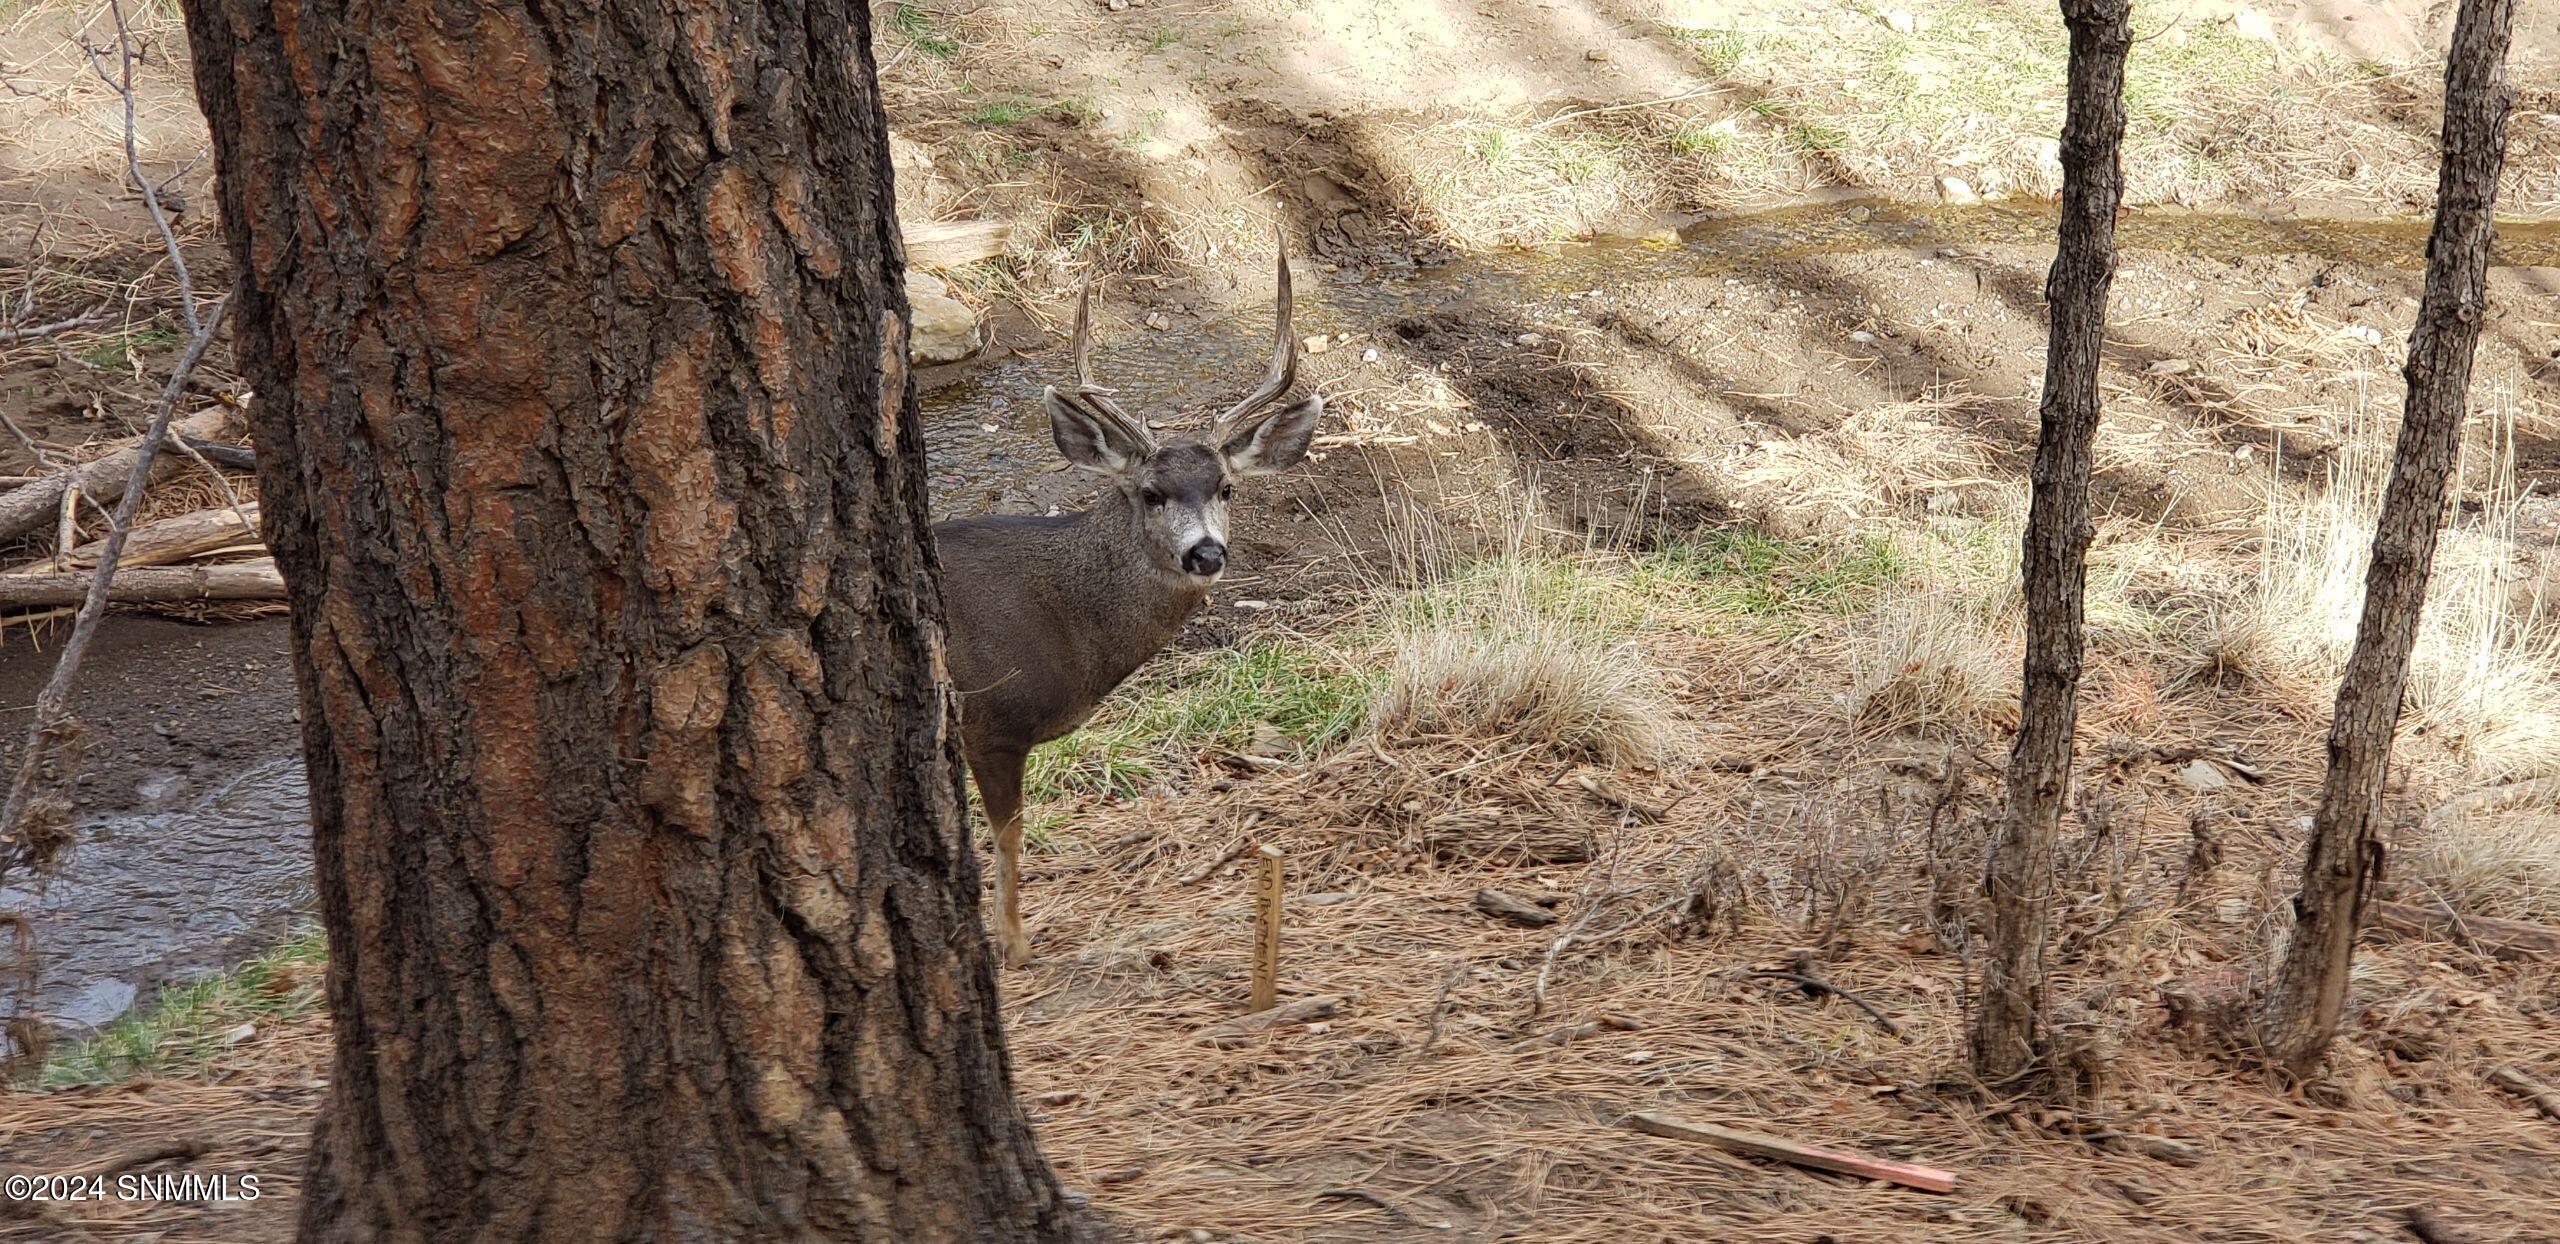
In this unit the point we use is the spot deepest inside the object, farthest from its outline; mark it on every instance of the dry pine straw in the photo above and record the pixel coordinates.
(1352, 1129)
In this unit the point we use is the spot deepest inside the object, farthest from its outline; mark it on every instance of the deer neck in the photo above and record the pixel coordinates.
(1121, 581)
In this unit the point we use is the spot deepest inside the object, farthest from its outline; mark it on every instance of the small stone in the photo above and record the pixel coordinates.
(2170, 367)
(1369, 355)
(945, 329)
(2203, 775)
(1116, 6)
(2252, 24)
(1862, 337)
(1159, 321)
(1956, 191)
(1531, 339)
(1901, 22)
(1596, 54)
(237, 1035)
(1317, 345)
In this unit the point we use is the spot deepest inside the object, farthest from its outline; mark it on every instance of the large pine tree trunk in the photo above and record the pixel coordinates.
(2301, 1012)
(2056, 548)
(590, 456)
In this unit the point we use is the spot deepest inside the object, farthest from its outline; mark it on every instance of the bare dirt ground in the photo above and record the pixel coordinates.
(1780, 458)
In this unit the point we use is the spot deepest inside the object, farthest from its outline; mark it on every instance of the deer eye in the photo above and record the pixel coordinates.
(1154, 499)
(1226, 492)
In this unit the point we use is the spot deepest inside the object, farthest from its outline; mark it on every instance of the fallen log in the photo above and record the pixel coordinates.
(951, 243)
(157, 585)
(1837, 1161)
(30, 506)
(166, 541)
(2497, 938)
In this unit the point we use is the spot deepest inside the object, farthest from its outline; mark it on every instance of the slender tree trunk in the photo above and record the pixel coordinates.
(2006, 1039)
(590, 456)
(2301, 1012)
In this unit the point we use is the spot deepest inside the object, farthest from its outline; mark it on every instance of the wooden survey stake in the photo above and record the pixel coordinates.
(1909, 1174)
(1266, 931)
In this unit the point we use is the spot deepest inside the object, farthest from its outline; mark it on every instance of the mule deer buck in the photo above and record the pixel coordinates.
(1047, 615)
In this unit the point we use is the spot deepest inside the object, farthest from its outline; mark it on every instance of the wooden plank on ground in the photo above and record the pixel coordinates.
(1778, 1148)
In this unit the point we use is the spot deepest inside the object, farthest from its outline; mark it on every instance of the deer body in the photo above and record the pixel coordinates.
(1047, 615)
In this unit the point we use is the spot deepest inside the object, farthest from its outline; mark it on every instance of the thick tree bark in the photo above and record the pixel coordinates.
(590, 456)
(2301, 1011)
(2055, 561)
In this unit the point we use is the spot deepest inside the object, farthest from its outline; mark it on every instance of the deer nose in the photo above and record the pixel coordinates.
(1205, 558)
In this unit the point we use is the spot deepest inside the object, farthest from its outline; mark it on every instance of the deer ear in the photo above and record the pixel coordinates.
(1275, 442)
(1089, 442)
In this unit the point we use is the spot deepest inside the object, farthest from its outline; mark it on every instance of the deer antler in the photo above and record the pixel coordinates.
(1094, 398)
(1284, 362)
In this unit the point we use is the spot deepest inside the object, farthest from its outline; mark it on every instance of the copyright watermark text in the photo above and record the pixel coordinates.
(179, 1187)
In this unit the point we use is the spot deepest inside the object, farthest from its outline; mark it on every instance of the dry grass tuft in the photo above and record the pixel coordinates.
(2484, 681)
(1906, 459)
(2496, 865)
(1934, 665)
(1505, 669)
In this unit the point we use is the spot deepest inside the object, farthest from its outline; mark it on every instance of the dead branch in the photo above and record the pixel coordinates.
(53, 704)
(158, 585)
(30, 332)
(161, 542)
(29, 506)
(1816, 987)
(121, 82)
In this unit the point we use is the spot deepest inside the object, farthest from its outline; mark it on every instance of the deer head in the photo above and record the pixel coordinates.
(1177, 490)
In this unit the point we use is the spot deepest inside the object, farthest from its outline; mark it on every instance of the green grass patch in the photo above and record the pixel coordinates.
(1753, 575)
(1008, 112)
(183, 1030)
(1309, 696)
(1719, 52)
(918, 28)
(108, 353)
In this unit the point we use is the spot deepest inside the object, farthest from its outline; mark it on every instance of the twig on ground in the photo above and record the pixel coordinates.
(1571, 1033)
(1224, 858)
(1815, 987)
(29, 332)
(1440, 1004)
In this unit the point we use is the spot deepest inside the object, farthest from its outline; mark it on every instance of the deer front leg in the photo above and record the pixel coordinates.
(1000, 790)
